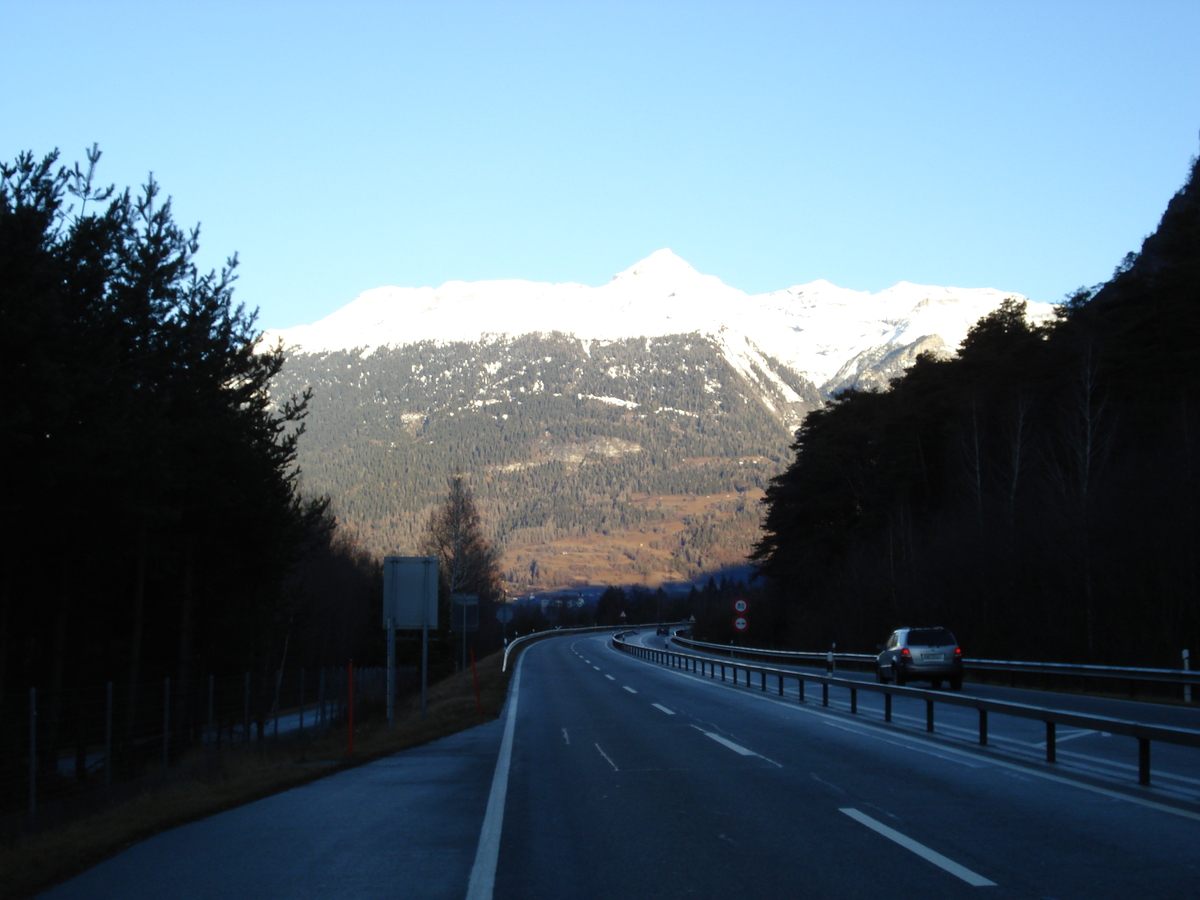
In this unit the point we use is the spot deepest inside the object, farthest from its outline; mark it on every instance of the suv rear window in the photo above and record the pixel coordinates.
(930, 637)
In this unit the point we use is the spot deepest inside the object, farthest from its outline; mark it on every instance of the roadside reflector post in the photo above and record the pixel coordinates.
(1051, 750)
(1144, 761)
(853, 701)
(983, 727)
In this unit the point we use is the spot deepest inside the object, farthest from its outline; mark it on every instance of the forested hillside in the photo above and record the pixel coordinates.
(152, 518)
(562, 439)
(1039, 493)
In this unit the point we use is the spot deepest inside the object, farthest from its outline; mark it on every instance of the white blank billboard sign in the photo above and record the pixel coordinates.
(410, 589)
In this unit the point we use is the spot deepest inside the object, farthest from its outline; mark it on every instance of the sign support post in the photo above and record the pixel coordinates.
(425, 648)
(410, 601)
(391, 673)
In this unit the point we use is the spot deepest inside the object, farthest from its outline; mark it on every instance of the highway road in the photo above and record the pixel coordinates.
(628, 773)
(610, 775)
(1096, 752)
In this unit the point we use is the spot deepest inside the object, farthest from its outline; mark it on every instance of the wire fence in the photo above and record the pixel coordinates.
(67, 752)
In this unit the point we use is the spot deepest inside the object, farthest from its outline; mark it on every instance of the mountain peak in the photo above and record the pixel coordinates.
(659, 264)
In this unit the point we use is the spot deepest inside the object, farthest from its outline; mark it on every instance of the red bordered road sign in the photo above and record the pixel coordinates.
(741, 623)
(740, 606)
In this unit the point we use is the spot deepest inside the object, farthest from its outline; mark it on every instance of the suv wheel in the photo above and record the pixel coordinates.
(936, 684)
(880, 678)
(900, 679)
(956, 683)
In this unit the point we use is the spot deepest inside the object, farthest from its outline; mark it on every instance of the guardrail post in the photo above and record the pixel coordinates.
(801, 683)
(983, 727)
(764, 680)
(887, 706)
(824, 694)
(722, 671)
(1144, 761)
(735, 677)
(780, 685)
(1187, 688)
(1051, 750)
(853, 701)
(929, 715)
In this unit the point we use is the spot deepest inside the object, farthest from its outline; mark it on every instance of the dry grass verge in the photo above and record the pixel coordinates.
(203, 785)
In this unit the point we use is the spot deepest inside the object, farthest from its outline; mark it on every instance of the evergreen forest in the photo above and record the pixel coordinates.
(1039, 493)
(153, 523)
(560, 438)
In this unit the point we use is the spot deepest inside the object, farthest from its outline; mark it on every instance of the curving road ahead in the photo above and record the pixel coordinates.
(609, 775)
(627, 775)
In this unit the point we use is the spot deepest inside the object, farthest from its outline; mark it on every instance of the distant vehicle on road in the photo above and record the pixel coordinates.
(920, 654)
(663, 629)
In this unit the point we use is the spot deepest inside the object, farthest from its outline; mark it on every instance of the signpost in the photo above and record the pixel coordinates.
(410, 590)
(504, 615)
(740, 622)
(464, 617)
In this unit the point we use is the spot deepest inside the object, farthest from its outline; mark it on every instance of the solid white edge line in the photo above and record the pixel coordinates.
(972, 878)
(483, 872)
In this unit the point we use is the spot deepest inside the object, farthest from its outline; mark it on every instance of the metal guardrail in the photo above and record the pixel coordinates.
(550, 632)
(1115, 673)
(1142, 732)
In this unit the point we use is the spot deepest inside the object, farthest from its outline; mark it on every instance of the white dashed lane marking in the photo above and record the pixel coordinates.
(972, 878)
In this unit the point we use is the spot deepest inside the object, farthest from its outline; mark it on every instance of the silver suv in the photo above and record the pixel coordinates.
(920, 654)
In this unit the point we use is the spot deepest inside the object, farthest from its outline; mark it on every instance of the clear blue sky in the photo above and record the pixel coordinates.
(343, 146)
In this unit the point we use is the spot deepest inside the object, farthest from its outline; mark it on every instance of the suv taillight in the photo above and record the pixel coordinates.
(958, 651)
(905, 652)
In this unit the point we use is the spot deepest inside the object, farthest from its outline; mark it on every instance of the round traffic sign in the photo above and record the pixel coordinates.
(504, 614)
(740, 605)
(741, 623)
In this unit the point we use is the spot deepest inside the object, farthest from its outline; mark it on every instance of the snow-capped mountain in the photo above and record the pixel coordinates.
(829, 336)
(589, 415)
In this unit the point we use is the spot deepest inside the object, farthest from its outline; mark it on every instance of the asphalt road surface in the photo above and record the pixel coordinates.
(612, 776)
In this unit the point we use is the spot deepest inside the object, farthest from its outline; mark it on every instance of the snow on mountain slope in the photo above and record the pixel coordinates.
(814, 329)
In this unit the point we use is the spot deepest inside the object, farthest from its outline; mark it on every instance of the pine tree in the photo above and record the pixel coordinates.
(467, 562)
